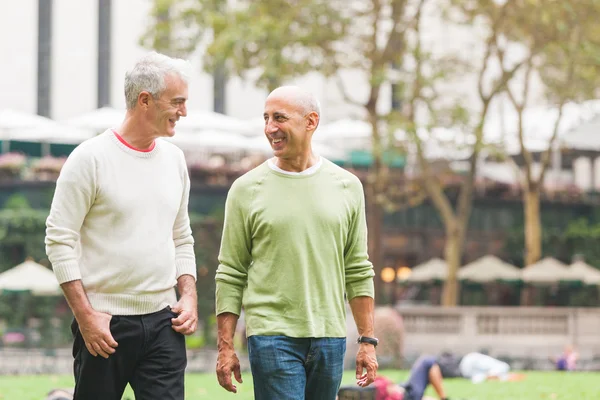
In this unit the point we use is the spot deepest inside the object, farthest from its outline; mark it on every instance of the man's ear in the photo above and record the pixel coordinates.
(312, 121)
(144, 99)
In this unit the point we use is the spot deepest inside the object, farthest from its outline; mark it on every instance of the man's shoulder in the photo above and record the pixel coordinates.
(90, 148)
(171, 148)
(251, 178)
(347, 178)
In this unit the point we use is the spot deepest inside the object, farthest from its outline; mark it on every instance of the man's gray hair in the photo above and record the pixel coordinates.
(309, 103)
(148, 75)
(303, 98)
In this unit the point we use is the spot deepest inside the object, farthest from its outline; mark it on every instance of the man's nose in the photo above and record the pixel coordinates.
(270, 127)
(182, 111)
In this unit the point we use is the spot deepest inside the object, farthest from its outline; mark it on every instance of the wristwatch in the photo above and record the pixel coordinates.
(369, 340)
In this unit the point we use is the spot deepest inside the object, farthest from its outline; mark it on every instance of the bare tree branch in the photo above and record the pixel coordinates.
(344, 92)
(520, 108)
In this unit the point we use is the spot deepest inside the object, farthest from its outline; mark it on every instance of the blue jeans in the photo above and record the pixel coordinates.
(285, 368)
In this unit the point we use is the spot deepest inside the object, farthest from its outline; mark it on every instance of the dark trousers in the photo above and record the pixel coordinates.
(151, 357)
(419, 378)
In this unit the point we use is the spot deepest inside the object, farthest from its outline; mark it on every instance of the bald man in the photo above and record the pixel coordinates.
(294, 246)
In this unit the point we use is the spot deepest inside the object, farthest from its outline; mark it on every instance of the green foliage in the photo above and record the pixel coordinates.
(207, 234)
(582, 238)
(284, 38)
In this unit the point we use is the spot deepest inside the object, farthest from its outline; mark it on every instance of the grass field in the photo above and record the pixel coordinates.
(537, 385)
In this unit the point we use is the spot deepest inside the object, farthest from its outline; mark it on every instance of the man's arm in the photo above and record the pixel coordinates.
(94, 325)
(73, 198)
(185, 263)
(235, 257)
(366, 358)
(360, 288)
(187, 306)
(185, 258)
(227, 361)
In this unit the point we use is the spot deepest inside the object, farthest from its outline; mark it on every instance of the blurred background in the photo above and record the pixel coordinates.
(473, 124)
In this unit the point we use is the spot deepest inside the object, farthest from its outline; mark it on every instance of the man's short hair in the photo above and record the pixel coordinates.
(148, 75)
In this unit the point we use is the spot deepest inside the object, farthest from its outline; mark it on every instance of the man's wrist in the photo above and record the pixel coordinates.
(363, 339)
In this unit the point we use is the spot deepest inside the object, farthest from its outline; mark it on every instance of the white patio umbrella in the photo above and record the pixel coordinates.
(30, 276)
(14, 123)
(590, 275)
(98, 120)
(488, 269)
(211, 140)
(549, 270)
(203, 120)
(434, 269)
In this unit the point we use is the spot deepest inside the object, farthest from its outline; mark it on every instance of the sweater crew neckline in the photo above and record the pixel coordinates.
(126, 147)
(295, 176)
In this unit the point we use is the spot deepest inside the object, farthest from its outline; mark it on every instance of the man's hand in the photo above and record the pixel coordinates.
(228, 362)
(366, 359)
(95, 329)
(187, 321)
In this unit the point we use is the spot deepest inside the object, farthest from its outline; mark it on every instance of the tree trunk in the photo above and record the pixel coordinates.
(452, 255)
(533, 225)
(375, 225)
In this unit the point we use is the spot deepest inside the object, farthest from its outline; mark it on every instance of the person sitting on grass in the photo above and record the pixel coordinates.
(568, 360)
(424, 371)
(480, 367)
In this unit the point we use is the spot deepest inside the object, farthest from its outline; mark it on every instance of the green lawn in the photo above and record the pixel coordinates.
(537, 385)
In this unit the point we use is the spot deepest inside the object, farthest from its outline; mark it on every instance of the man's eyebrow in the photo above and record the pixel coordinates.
(181, 98)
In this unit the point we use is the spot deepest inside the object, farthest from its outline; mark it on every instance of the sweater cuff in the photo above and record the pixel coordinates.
(185, 266)
(365, 287)
(66, 271)
(228, 298)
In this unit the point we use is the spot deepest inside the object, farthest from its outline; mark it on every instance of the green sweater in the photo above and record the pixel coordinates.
(292, 246)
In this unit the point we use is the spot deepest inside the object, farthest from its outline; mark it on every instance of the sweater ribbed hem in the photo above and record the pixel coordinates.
(185, 266)
(66, 271)
(132, 304)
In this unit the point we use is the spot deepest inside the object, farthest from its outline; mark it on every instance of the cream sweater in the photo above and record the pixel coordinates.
(119, 222)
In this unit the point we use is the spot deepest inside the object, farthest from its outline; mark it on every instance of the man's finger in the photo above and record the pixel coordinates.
(110, 340)
(359, 369)
(183, 328)
(99, 350)
(225, 382)
(237, 373)
(371, 372)
(181, 319)
(91, 349)
(107, 349)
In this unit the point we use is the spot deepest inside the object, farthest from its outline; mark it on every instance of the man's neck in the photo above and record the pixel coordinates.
(297, 164)
(134, 133)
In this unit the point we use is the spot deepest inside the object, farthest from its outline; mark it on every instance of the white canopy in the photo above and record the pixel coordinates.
(211, 140)
(434, 269)
(12, 120)
(30, 276)
(489, 268)
(590, 275)
(98, 120)
(200, 120)
(549, 270)
(344, 129)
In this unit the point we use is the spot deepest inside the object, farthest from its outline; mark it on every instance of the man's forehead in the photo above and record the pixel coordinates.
(279, 105)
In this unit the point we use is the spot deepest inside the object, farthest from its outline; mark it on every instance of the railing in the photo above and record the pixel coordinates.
(510, 331)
